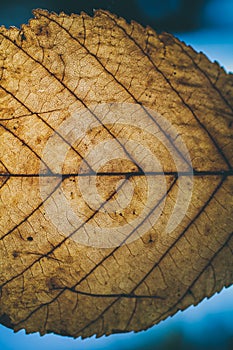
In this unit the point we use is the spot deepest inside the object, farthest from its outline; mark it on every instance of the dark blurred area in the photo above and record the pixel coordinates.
(162, 15)
(177, 340)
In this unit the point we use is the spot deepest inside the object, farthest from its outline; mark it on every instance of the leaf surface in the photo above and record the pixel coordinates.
(107, 76)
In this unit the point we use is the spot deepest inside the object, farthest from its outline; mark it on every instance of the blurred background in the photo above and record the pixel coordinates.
(207, 25)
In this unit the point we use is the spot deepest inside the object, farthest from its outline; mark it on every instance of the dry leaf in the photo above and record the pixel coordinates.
(105, 126)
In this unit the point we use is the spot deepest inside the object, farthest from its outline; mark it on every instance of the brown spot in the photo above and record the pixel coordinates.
(15, 254)
(52, 283)
(69, 259)
(42, 30)
(150, 239)
(207, 231)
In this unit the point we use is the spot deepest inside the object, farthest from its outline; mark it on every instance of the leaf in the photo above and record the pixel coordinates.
(116, 176)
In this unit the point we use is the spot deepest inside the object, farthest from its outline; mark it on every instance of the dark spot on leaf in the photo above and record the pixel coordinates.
(42, 30)
(150, 240)
(30, 239)
(15, 254)
(52, 283)
(207, 230)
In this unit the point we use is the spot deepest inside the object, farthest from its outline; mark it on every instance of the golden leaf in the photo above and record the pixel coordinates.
(116, 175)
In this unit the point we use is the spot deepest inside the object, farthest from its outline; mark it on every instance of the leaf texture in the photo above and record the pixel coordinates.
(49, 70)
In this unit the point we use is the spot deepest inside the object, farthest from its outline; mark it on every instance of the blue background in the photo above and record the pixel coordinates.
(210, 29)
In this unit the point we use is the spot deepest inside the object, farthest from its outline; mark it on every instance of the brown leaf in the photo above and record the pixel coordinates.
(116, 175)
